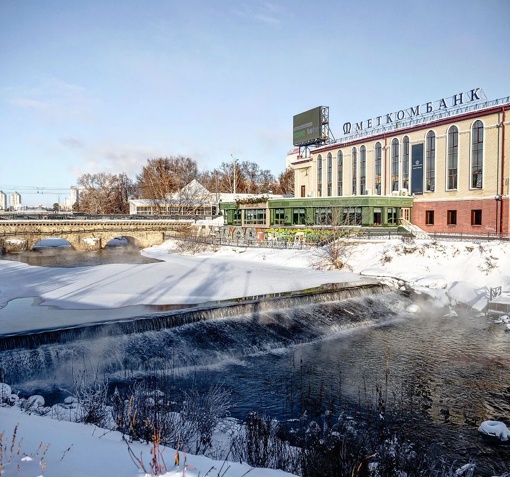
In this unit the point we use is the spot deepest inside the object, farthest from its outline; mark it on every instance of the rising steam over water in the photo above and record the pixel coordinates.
(188, 344)
(310, 355)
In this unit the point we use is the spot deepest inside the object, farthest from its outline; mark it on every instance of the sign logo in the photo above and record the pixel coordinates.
(421, 110)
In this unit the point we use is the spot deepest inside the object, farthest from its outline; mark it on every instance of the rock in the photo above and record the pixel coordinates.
(496, 429)
(413, 308)
(35, 401)
(71, 401)
(5, 392)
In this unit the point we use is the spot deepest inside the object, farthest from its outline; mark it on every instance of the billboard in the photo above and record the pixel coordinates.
(307, 127)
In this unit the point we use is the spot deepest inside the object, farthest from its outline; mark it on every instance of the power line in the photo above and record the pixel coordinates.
(33, 189)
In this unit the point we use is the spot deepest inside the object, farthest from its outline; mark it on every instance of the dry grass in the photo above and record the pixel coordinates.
(11, 452)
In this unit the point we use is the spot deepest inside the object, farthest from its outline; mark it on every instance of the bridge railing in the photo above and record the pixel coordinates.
(113, 217)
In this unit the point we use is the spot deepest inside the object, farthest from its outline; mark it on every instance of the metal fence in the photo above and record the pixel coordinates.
(289, 242)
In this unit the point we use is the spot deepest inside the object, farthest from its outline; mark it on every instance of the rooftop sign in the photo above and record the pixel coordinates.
(415, 112)
(307, 127)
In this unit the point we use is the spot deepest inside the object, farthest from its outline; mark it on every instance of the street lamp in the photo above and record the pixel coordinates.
(235, 163)
(498, 200)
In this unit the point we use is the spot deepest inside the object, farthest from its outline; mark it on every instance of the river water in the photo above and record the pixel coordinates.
(449, 373)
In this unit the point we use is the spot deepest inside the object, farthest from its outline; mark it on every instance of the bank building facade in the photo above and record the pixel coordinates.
(442, 166)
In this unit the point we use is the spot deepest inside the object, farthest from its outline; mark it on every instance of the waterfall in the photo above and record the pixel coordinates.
(199, 337)
(247, 306)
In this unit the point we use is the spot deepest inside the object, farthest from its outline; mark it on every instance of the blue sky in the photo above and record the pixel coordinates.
(102, 86)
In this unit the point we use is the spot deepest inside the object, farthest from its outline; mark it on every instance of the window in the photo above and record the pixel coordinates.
(351, 216)
(453, 157)
(378, 170)
(477, 155)
(279, 216)
(298, 216)
(303, 191)
(323, 216)
(392, 216)
(429, 217)
(354, 188)
(405, 162)
(377, 215)
(319, 176)
(476, 217)
(362, 169)
(431, 162)
(237, 217)
(394, 164)
(451, 217)
(254, 216)
(340, 173)
(330, 175)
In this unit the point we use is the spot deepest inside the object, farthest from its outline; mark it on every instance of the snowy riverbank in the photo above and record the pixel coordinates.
(458, 271)
(451, 272)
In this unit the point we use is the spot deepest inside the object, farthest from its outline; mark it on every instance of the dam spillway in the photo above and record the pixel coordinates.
(203, 336)
(247, 306)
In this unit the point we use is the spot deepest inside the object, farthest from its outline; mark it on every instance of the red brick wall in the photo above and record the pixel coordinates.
(464, 209)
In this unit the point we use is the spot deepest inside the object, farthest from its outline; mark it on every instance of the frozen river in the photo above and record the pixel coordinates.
(448, 373)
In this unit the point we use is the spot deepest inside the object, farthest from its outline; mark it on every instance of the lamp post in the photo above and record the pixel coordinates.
(498, 200)
(235, 172)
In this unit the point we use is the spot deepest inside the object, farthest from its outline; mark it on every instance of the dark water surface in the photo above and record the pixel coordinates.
(449, 373)
(68, 257)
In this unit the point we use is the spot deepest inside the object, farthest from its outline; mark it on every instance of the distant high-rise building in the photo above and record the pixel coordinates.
(15, 200)
(3, 200)
(74, 196)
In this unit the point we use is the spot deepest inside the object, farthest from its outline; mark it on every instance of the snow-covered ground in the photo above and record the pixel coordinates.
(464, 270)
(450, 271)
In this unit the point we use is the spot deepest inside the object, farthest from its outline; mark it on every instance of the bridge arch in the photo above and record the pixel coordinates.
(18, 235)
(121, 241)
(52, 242)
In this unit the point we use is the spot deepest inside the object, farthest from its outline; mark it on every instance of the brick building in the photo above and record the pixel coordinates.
(450, 156)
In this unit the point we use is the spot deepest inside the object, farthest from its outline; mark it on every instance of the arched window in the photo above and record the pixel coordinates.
(430, 170)
(378, 168)
(362, 169)
(405, 162)
(477, 155)
(453, 157)
(354, 188)
(340, 173)
(319, 176)
(395, 163)
(330, 174)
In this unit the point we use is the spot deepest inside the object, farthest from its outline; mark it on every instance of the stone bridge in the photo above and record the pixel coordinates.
(18, 235)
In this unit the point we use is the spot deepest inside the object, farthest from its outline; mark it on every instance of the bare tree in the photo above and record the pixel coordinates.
(160, 178)
(231, 178)
(251, 173)
(240, 177)
(164, 176)
(105, 193)
(266, 182)
(285, 184)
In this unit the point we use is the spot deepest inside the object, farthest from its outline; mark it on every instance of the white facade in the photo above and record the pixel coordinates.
(3, 200)
(15, 200)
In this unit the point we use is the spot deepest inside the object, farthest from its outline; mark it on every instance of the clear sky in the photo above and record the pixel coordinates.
(102, 86)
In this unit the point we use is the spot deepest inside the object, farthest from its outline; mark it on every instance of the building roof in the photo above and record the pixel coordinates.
(194, 192)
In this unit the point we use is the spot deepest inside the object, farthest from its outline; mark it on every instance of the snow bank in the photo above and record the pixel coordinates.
(451, 272)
